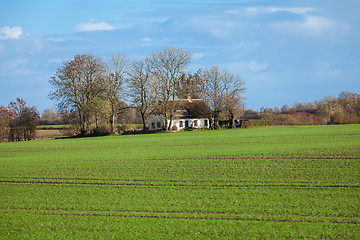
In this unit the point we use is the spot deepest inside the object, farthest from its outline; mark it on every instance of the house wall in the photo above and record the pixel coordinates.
(190, 123)
(157, 122)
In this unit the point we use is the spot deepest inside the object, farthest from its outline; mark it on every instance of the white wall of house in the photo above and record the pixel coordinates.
(198, 123)
(156, 122)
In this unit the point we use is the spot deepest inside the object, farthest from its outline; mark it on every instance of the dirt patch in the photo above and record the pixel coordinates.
(43, 134)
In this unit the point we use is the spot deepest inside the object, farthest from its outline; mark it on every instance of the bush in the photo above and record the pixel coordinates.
(71, 131)
(123, 128)
(102, 129)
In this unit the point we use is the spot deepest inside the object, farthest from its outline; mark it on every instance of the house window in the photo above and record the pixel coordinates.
(181, 124)
(153, 125)
(205, 122)
(158, 124)
(195, 123)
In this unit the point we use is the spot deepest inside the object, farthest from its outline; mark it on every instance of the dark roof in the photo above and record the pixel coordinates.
(195, 108)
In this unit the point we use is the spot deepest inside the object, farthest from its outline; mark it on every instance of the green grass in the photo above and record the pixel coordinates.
(274, 182)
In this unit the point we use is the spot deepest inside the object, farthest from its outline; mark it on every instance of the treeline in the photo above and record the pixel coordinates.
(344, 109)
(18, 122)
(97, 93)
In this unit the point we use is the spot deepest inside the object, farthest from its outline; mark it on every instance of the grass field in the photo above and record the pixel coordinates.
(274, 182)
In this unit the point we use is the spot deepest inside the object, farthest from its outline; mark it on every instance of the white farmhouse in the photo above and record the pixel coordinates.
(190, 113)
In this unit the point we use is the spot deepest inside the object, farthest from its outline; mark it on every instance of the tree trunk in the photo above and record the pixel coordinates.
(96, 121)
(112, 124)
(143, 121)
(216, 120)
(82, 124)
(112, 120)
(165, 121)
(216, 124)
(232, 121)
(170, 121)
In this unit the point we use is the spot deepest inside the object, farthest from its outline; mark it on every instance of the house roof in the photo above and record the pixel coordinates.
(195, 108)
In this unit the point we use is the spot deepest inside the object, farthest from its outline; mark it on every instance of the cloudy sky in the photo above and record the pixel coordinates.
(286, 51)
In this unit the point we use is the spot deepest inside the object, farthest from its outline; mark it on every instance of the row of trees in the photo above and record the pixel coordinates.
(18, 122)
(344, 109)
(96, 91)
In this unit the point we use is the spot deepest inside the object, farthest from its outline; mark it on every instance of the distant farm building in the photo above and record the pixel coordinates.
(189, 114)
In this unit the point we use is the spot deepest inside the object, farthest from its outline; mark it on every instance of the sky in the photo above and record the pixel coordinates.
(285, 51)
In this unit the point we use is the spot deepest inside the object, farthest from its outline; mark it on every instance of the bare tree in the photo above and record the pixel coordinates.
(50, 117)
(25, 121)
(77, 83)
(116, 70)
(233, 89)
(213, 94)
(221, 90)
(168, 66)
(140, 89)
(6, 117)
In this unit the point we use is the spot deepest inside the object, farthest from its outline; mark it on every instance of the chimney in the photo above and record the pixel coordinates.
(189, 98)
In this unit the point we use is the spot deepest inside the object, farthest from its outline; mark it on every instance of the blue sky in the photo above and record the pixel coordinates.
(286, 51)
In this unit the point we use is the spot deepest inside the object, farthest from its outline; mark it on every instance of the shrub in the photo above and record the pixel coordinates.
(71, 131)
(102, 129)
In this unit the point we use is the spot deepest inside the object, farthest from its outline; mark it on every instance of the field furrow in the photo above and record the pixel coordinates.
(188, 215)
(273, 183)
(174, 184)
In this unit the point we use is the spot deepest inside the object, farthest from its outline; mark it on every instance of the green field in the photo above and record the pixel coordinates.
(274, 182)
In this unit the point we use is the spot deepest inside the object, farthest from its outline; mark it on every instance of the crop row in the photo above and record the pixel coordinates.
(170, 183)
(189, 215)
(108, 211)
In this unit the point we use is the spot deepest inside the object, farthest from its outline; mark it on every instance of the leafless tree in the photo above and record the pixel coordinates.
(25, 121)
(50, 117)
(168, 66)
(116, 70)
(6, 117)
(233, 90)
(140, 88)
(221, 90)
(77, 83)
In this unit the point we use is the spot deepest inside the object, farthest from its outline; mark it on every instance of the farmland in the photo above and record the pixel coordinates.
(274, 182)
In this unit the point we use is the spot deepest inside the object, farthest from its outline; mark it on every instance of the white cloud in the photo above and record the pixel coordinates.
(316, 24)
(234, 11)
(252, 66)
(56, 60)
(198, 56)
(10, 32)
(255, 66)
(54, 39)
(38, 45)
(146, 41)
(92, 26)
(222, 29)
(248, 12)
(17, 67)
(219, 27)
(311, 25)
(254, 11)
(299, 11)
